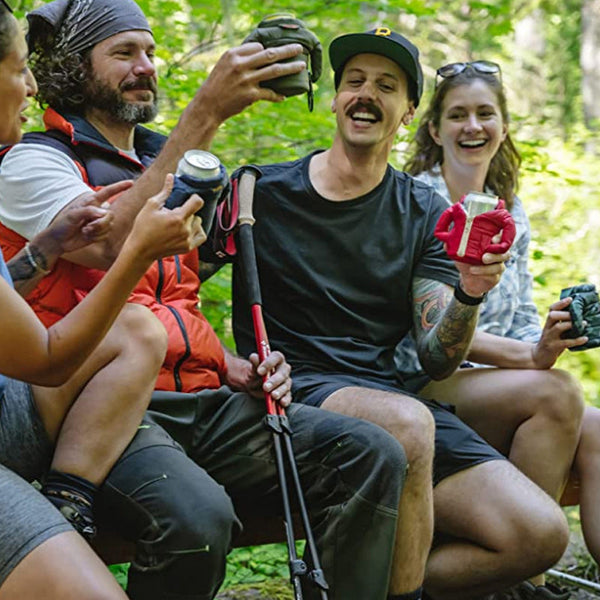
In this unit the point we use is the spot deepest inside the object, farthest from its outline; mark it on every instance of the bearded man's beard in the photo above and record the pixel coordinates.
(100, 95)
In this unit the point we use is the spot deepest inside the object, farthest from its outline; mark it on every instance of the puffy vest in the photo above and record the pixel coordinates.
(170, 288)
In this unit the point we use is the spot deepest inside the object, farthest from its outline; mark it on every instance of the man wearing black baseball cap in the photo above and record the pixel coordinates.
(349, 265)
(385, 42)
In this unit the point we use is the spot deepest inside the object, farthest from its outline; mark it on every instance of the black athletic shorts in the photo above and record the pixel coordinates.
(457, 446)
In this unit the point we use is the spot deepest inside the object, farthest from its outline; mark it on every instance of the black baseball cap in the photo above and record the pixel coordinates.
(384, 41)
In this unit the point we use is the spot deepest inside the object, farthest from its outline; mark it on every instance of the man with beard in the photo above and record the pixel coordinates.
(94, 61)
(347, 241)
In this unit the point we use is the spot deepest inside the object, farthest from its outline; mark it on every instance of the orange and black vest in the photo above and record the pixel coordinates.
(169, 288)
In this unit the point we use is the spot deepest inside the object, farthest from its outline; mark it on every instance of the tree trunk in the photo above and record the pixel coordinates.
(590, 66)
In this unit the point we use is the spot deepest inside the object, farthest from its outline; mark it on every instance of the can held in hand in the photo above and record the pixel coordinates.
(199, 164)
(477, 203)
(200, 172)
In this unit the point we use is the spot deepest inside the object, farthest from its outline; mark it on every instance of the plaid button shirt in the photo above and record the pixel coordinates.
(508, 310)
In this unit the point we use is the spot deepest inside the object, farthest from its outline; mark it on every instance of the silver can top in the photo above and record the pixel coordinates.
(200, 164)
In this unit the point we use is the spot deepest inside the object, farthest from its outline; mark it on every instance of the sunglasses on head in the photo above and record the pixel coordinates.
(481, 66)
(7, 5)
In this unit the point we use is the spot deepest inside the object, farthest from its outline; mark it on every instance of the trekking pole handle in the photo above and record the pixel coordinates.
(246, 195)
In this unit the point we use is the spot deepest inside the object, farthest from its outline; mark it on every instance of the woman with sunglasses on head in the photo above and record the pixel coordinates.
(41, 555)
(525, 408)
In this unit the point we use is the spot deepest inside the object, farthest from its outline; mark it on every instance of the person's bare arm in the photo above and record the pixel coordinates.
(49, 357)
(509, 353)
(233, 85)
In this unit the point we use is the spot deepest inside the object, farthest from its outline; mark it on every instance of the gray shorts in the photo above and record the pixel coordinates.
(26, 518)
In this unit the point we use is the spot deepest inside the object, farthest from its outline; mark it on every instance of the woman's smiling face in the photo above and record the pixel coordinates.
(16, 85)
(471, 125)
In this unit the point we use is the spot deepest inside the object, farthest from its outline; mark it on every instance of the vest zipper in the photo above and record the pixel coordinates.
(180, 323)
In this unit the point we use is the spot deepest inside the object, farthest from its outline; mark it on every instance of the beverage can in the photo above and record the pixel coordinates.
(199, 164)
(477, 203)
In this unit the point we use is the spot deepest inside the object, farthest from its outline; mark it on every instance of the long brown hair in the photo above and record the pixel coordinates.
(503, 173)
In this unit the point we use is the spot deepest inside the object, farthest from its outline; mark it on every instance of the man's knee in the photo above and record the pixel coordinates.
(413, 425)
(533, 528)
(168, 505)
(560, 397)
(182, 523)
(383, 464)
(349, 455)
(546, 530)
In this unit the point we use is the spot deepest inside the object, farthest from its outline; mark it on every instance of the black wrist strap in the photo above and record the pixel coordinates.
(464, 298)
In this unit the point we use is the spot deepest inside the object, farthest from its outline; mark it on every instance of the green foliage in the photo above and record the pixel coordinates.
(257, 564)
(560, 185)
(216, 304)
(558, 188)
(120, 573)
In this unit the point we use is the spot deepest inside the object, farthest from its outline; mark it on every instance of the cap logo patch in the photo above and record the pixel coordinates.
(385, 31)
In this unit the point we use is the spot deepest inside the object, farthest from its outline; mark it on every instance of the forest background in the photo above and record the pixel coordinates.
(549, 51)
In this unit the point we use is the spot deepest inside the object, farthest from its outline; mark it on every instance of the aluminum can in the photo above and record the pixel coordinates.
(199, 172)
(199, 164)
(477, 203)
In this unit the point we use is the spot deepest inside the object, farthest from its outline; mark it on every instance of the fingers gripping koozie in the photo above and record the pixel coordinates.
(200, 172)
(468, 228)
(279, 30)
(585, 314)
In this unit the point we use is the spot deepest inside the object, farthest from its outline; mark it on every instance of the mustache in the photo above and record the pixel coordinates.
(365, 107)
(141, 83)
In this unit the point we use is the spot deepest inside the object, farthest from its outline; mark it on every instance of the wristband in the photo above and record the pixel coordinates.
(464, 298)
(35, 265)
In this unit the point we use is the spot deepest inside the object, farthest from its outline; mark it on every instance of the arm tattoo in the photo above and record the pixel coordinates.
(21, 269)
(443, 327)
(26, 270)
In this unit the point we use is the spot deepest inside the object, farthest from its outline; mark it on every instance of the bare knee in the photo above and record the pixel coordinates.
(538, 537)
(414, 427)
(560, 397)
(142, 332)
(496, 507)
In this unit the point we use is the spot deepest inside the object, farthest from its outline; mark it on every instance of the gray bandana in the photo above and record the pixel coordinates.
(81, 24)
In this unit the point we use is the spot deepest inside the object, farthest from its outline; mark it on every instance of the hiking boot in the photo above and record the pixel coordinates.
(75, 509)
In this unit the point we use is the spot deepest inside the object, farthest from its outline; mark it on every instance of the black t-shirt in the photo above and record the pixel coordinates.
(336, 277)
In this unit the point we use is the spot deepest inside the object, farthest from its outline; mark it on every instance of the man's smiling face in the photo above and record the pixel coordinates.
(372, 100)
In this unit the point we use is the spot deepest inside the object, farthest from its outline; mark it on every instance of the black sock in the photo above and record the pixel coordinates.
(416, 595)
(74, 498)
(59, 481)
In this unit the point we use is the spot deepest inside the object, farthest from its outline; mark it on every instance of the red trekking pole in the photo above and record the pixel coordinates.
(275, 419)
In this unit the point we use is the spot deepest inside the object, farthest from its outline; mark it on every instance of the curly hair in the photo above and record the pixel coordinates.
(61, 75)
(8, 29)
(503, 173)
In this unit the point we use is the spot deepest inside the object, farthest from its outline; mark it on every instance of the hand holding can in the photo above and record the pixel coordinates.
(200, 172)
(469, 226)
